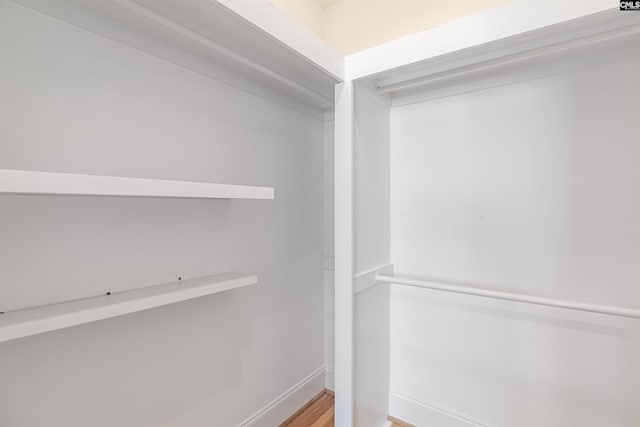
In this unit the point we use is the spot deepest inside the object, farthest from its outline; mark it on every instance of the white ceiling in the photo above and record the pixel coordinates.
(354, 25)
(327, 3)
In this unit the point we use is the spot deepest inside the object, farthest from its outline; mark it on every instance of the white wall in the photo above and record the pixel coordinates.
(72, 101)
(531, 188)
(371, 168)
(329, 251)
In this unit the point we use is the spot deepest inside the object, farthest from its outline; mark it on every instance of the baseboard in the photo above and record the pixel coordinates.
(423, 414)
(330, 378)
(289, 402)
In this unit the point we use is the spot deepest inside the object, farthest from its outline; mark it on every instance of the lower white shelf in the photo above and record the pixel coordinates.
(53, 183)
(32, 321)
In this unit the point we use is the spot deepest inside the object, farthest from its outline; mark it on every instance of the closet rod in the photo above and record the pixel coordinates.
(551, 302)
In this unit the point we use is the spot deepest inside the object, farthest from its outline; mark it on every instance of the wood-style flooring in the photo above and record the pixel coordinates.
(318, 412)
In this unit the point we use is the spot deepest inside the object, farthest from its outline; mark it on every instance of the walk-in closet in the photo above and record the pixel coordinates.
(318, 213)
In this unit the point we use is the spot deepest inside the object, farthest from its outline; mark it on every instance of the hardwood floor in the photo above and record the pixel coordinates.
(397, 423)
(318, 412)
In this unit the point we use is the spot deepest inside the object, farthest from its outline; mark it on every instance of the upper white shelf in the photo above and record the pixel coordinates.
(32, 321)
(30, 182)
(516, 23)
(452, 59)
(253, 46)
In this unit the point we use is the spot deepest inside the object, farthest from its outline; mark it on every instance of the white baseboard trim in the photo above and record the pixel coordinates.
(423, 414)
(285, 405)
(330, 378)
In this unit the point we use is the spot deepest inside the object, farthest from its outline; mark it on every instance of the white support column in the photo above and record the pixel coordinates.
(344, 254)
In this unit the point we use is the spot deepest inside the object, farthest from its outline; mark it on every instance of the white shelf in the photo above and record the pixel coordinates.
(32, 321)
(31, 182)
(225, 41)
(588, 40)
